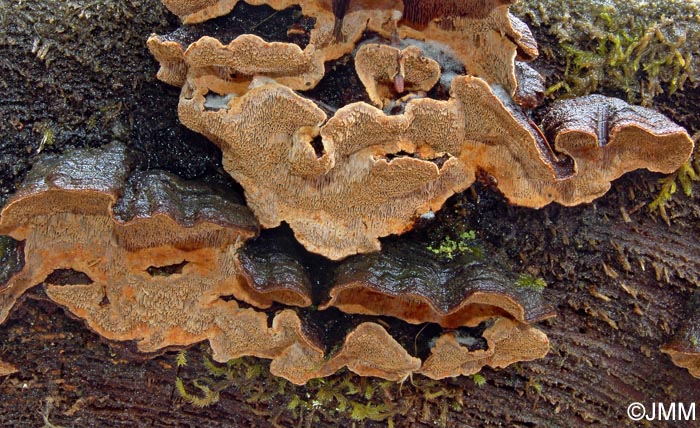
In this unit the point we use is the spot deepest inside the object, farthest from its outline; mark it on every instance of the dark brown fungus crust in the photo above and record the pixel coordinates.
(530, 91)
(407, 281)
(606, 137)
(684, 348)
(273, 274)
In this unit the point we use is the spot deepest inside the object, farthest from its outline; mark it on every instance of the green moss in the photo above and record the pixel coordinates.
(448, 248)
(686, 175)
(341, 398)
(478, 379)
(207, 398)
(181, 358)
(360, 412)
(623, 46)
(525, 280)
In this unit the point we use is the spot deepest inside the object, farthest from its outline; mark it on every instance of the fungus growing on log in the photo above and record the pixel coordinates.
(156, 259)
(508, 342)
(272, 274)
(484, 36)
(386, 71)
(363, 174)
(229, 69)
(369, 350)
(408, 282)
(684, 348)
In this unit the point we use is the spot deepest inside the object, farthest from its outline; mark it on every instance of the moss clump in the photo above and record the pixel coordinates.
(448, 248)
(525, 280)
(343, 398)
(685, 176)
(640, 49)
(478, 379)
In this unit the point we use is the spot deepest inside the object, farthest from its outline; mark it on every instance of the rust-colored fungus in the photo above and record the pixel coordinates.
(508, 342)
(155, 259)
(684, 348)
(386, 71)
(338, 191)
(162, 261)
(229, 69)
(483, 35)
(408, 282)
(343, 182)
(370, 351)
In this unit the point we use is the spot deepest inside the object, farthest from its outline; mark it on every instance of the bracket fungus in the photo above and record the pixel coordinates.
(385, 70)
(157, 259)
(165, 261)
(684, 348)
(408, 282)
(342, 178)
(508, 342)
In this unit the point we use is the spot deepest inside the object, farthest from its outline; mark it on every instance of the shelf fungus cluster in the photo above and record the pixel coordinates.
(146, 256)
(447, 97)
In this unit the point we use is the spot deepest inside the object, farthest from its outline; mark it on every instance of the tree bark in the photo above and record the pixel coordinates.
(78, 73)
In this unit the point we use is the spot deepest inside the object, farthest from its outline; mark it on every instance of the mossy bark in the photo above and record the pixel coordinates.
(617, 275)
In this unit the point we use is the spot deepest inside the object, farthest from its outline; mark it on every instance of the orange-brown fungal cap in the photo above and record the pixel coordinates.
(593, 139)
(194, 11)
(386, 71)
(684, 348)
(230, 68)
(171, 57)
(369, 174)
(86, 184)
(408, 282)
(89, 183)
(606, 137)
(507, 341)
(338, 192)
(483, 35)
(80, 212)
(369, 350)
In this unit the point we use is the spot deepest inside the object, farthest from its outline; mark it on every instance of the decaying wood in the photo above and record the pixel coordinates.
(619, 282)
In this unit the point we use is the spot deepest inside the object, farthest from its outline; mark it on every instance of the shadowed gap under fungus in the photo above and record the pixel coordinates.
(68, 277)
(271, 25)
(11, 258)
(335, 89)
(167, 270)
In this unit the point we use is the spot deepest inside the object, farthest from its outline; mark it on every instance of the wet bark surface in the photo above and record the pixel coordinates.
(79, 74)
